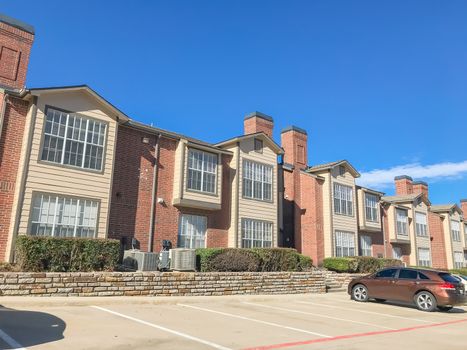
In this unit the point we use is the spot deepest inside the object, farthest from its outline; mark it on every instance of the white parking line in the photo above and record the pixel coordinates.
(255, 320)
(318, 315)
(10, 341)
(365, 311)
(180, 334)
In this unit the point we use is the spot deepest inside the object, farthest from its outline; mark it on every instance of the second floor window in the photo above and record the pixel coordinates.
(402, 222)
(343, 199)
(456, 231)
(202, 170)
(71, 139)
(371, 207)
(421, 224)
(257, 181)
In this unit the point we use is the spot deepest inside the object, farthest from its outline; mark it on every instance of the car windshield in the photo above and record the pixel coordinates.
(447, 277)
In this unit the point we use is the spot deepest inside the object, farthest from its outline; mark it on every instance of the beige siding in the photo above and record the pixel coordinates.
(254, 209)
(344, 222)
(327, 215)
(64, 180)
(178, 169)
(232, 238)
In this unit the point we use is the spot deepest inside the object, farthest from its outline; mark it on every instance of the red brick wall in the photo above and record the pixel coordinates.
(420, 188)
(295, 146)
(15, 47)
(438, 247)
(257, 124)
(133, 178)
(11, 140)
(403, 186)
(310, 218)
(464, 208)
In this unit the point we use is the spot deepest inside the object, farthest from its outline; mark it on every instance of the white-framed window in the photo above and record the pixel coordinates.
(73, 140)
(256, 233)
(365, 245)
(424, 257)
(421, 226)
(343, 199)
(344, 243)
(371, 207)
(202, 171)
(257, 181)
(456, 231)
(192, 231)
(402, 222)
(458, 260)
(258, 145)
(397, 253)
(61, 216)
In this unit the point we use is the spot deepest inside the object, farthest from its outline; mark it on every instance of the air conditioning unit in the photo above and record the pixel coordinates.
(182, 259)
(140, 261)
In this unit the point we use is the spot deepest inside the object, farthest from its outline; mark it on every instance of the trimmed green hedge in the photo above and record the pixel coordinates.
(250, 260)
(462, 272)
(66, 254)
(359, 264)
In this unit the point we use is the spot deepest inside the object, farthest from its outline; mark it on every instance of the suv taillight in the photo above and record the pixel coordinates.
(447, 286)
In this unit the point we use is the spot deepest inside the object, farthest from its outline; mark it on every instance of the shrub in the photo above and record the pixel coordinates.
(250, 260)
(359, 264)
(7, 267)
(66, 254)
(462, 272)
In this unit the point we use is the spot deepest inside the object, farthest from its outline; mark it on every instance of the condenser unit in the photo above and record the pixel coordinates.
(182, 259)
(140, 261)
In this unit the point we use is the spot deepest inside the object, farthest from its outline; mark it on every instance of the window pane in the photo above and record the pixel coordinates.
(343, 199)
(202, 171)
(256, 233)
(257, 181)
(73, 140)
(192, 231)
(408, 274)
(63, 216)
(344, 243)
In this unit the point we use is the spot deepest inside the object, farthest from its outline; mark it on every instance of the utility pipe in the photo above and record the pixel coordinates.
(154, 194)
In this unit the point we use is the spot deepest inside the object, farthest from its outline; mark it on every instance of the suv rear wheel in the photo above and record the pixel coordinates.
(360, 293)
(425, 301)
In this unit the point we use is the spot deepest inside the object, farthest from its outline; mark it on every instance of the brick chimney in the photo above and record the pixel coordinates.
(464, 208)
(258, 122)
(294, 142)
(420, 187)
(16, 39)
(403, 185)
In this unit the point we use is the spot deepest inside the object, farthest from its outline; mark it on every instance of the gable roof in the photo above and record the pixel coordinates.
(369, 190)
(445, 208)
(327, 166)
(261, 135)
(88, 90)
(406, 198)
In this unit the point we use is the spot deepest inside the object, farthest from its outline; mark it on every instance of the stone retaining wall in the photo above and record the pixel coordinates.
(170, 283)
(160, 283)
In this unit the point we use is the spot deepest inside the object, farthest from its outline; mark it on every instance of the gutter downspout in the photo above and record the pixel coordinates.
(154, 194)
(2, 113)
(22, 182)
(382, 217)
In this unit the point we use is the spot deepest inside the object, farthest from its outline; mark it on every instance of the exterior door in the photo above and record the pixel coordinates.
(382, 284)
(406, 285)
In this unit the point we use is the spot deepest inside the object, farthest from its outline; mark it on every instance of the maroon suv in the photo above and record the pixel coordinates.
(427, 289)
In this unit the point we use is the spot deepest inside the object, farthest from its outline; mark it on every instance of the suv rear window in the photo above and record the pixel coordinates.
(389, 273)
(422, 276)
(447, 277)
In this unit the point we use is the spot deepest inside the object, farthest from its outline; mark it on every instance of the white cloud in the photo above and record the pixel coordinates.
(384, 178)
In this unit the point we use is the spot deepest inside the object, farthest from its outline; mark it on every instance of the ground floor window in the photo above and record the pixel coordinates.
(458, 260)
(61, 216)
(365, 245)
(424, 258)
(256, 233)
(345, 243)
(397, 253)
(192, 231)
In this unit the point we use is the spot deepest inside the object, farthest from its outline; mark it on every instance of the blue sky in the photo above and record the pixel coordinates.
(380, 83)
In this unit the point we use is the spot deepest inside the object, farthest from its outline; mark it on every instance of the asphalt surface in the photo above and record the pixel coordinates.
(326, 321)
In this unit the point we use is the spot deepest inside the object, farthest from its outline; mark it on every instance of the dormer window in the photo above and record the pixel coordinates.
(341, 170)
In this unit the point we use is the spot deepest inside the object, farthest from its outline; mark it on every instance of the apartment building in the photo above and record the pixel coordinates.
(169, 186)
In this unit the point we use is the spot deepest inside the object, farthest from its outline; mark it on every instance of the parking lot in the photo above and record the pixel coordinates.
(326, 321)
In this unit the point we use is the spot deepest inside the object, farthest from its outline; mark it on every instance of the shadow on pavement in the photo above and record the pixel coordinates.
(455, 310)
(30, 328)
